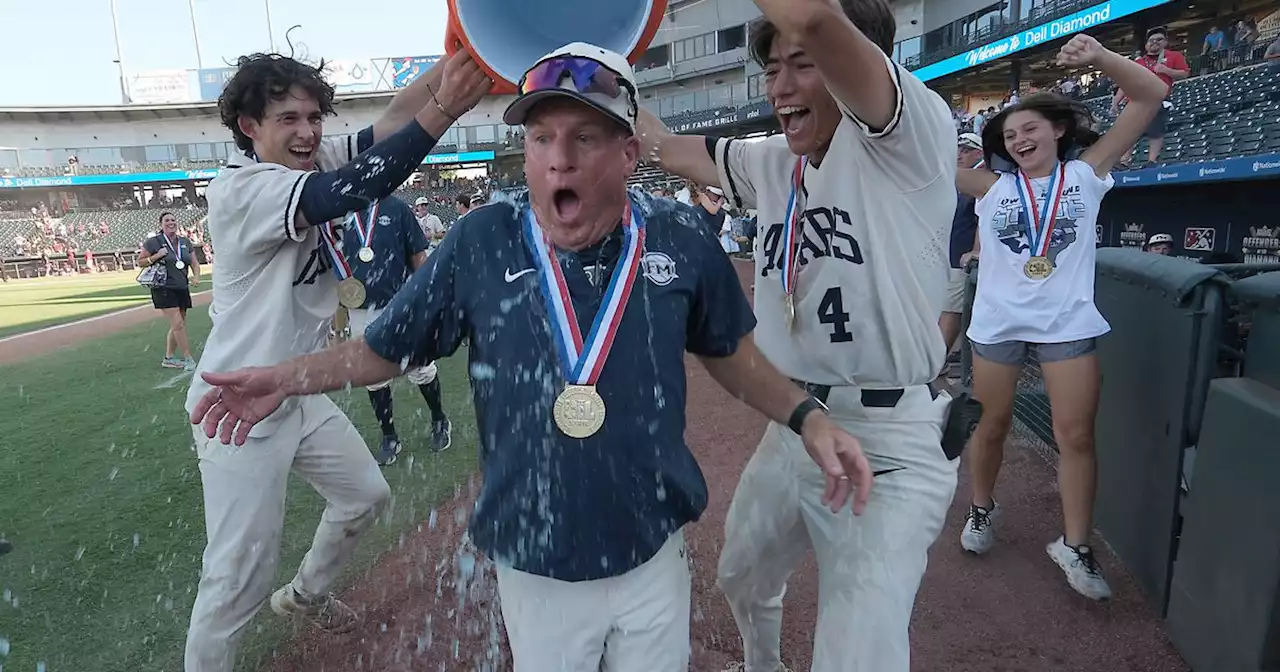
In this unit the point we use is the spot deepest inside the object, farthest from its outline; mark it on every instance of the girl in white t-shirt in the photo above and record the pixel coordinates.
(1037, 244)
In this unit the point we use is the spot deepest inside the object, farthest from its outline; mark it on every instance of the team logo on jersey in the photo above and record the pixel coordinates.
(1199, 238)
(384, 220)
(659, 268)
(827, 232)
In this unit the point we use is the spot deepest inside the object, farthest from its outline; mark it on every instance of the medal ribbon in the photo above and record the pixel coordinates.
(584, 358)
(791, 229)
(1040, 224)
(329, 239)
(177, 252)
(365, 229)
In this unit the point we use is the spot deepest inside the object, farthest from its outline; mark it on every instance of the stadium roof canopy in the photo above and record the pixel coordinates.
(127, 113)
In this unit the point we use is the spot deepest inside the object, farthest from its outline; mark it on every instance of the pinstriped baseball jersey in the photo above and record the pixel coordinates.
(873, 247)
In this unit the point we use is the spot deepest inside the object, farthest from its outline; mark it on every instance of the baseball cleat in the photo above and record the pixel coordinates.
(390, 451)
(441, 435)
(327, 613)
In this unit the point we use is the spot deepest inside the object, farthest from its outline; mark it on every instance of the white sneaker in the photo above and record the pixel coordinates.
(1082, 569)
(979, 533)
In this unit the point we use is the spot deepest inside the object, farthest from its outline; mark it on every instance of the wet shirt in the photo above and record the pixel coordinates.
(394, 237)
(565, 508)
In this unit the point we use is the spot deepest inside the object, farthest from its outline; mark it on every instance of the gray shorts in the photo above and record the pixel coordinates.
(1014, 353)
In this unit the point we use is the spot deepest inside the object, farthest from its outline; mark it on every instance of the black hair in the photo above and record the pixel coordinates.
(1074, 118)
(463, 199)
(263, 78)
(873, 17)
(162, 214)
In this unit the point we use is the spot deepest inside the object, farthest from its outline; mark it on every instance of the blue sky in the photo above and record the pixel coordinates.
(60, 52)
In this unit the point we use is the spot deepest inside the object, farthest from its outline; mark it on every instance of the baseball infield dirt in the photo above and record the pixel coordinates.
(431, 606)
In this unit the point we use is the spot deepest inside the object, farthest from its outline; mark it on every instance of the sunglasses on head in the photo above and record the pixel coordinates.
(588, 76)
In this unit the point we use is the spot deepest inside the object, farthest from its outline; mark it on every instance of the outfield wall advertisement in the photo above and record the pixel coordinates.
(1046, 32)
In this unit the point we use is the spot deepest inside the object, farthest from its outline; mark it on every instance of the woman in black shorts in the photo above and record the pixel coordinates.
(174, 298)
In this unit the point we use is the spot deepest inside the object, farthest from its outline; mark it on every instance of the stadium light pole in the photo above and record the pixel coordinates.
(195, 34)
(115, 30)
(271, 37)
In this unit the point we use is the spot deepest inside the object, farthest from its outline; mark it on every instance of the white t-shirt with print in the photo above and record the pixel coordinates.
(1009, 306)
(274, 290)
(873, 258)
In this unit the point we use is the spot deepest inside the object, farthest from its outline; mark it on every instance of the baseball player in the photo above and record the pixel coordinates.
(854, 200)
(580, 384)
(430, 224)
(1038, 245)
(273, 297)
(384, 244)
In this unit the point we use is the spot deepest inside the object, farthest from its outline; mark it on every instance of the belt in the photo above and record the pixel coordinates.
(870, 398)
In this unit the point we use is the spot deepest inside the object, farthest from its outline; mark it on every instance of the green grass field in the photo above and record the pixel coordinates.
(26, 305)
(100, 494)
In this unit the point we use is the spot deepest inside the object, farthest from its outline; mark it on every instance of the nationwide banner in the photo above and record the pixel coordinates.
(1240, 168)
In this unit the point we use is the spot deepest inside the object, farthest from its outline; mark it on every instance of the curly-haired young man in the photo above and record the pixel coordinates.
(280, 270)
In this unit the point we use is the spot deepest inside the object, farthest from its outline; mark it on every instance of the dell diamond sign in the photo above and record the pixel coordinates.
(1045, 32)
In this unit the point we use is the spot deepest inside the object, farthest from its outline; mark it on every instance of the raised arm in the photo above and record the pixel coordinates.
(686, 156)
(851, 63)
(1145, 90)
(975, 182)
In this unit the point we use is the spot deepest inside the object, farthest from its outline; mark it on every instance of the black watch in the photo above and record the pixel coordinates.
(803, 410)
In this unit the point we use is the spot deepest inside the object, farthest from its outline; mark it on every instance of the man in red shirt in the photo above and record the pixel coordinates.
(1169, 66)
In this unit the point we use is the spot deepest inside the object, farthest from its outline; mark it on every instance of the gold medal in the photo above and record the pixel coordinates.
(351, 293)
(789, 309)
(579, 411)
(1037, 268)
(365, 254)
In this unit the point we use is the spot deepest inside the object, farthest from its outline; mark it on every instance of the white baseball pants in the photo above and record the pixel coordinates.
(244, 494)
(869, 566)
(359, 319)
(636, 622)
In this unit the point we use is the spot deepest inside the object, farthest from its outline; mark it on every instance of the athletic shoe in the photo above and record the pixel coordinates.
(1082, 569)
(390, 451)
(979, 533)
(171, 363)
(188, 364)
(327, 613)
(441, 435)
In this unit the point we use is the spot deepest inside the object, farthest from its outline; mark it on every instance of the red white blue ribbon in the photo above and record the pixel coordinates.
(1039, 223)
(791, 229)
(584, 358)
(178, 250)
(365, 229)
(329, 239)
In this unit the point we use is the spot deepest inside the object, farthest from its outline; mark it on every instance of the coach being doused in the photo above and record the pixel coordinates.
(579, 302)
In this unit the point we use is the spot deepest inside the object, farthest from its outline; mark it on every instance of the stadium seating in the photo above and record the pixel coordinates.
(1218, 116)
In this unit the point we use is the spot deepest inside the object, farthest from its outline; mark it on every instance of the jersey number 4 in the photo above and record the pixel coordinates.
(831, 313)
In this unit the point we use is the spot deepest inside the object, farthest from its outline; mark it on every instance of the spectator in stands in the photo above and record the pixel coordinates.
(1246, 34)
(1037, 240)
(1214, 40)
(182, 271)
(1170, 66)
(431, 225)
(1160, 243)
(1273, 51)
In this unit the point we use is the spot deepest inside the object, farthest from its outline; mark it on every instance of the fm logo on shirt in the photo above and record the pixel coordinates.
(1012, 231)
(827, 232)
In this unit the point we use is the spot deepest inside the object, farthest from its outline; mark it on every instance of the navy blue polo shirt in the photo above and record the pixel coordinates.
(395, 239)
(570, 509)
(964, 226)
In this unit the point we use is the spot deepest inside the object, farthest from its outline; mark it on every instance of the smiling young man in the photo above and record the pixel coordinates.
(579, 379)
(854, 200)
(274, 294)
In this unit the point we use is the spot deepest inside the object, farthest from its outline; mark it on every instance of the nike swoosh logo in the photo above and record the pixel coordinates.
(511, 277)
(882, 472)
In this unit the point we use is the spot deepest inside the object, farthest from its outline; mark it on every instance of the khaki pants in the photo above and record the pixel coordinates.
(244, 494)
(869, 566)
(636, 622)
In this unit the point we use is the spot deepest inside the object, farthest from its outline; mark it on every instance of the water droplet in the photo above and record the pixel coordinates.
(80, 553)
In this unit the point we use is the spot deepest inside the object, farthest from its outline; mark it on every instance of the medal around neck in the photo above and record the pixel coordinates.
(792, 226)
(351, 292)
(579, 410)
(179, 264)
(175, 249)
(364, 229)
(1039, 223)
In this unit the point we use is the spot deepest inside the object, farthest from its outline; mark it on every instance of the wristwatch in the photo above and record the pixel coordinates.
(803, 410)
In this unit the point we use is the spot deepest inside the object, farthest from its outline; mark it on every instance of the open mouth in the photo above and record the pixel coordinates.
(567, 203)
(794, 119)
(1024, 151)
(302, 153)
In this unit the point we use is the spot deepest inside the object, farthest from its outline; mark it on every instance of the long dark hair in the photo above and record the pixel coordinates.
(1074, 118)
